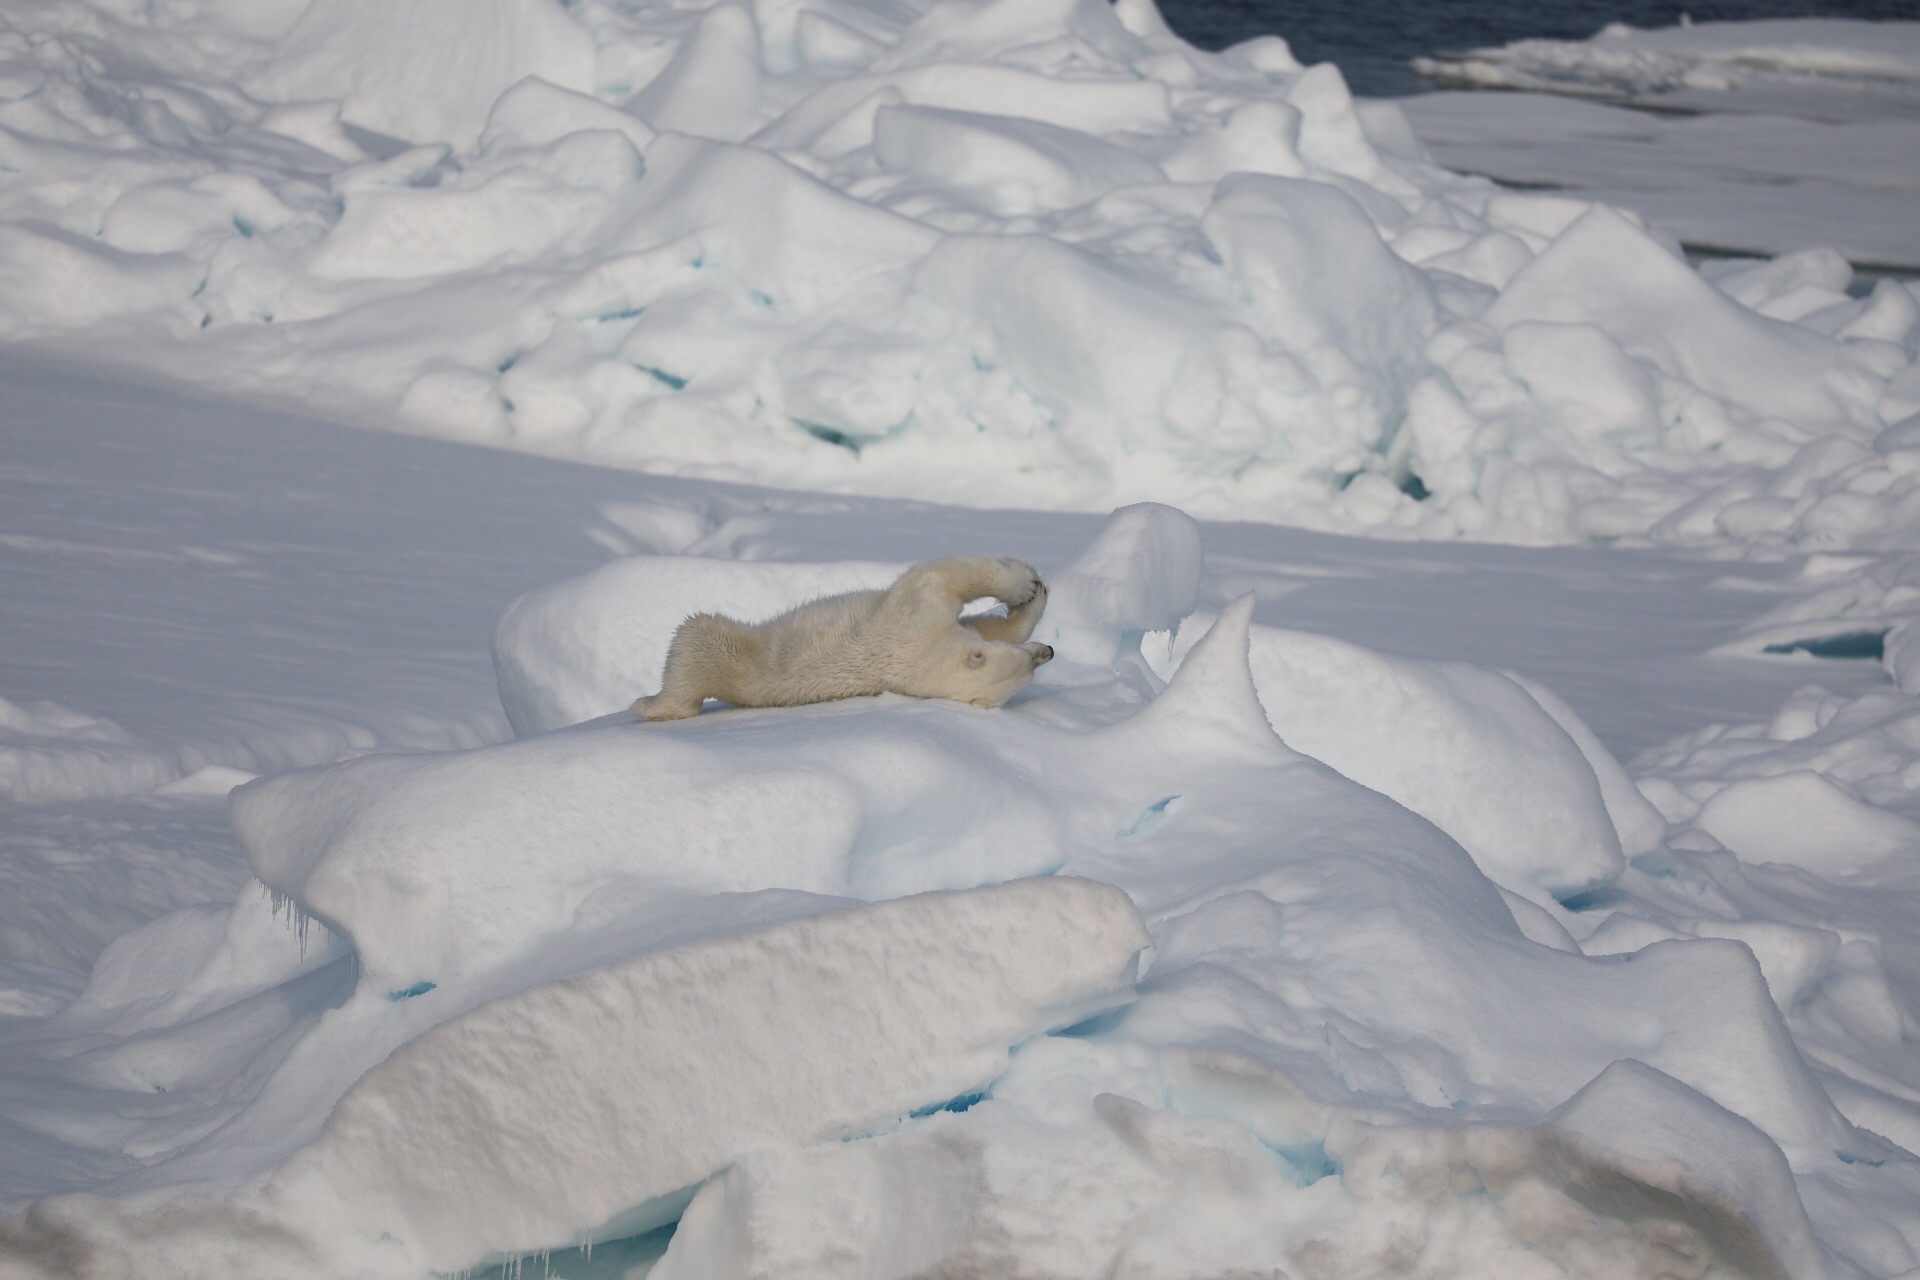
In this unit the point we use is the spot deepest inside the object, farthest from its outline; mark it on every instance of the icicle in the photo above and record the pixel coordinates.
(297, 917)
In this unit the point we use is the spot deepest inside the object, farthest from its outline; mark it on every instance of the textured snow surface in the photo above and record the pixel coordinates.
(852, 990)
(996, 252)
(1330, 908)
(834, 1025)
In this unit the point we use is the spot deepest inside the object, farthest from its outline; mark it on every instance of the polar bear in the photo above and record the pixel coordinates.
(906, 639)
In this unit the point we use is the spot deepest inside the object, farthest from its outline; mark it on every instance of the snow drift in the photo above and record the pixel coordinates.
(642, 1078)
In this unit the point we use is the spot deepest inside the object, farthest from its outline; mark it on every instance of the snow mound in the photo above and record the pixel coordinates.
(52, 752)
(421, 1133)
(451, 866)
(1734, 1187)
(1805, 819)
(641, 1078)
(590, 645)
(1054, 258)
(1824, 785)
(1150, 1176)
(1142, 573)
(430, 69)
(1451, 741)
(1468, 748)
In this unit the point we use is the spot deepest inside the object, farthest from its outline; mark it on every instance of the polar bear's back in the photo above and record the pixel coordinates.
(832, 642)
(573, 650)
(817, 652)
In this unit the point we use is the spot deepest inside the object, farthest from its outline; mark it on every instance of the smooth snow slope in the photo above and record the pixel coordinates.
(990, 251)
(1726, 182)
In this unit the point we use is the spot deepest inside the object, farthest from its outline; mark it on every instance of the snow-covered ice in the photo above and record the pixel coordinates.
(1331, 907)
(1856, 67)
(1741, 137)
(837, 1023)
(573, 846)
(1029, 254)
(1350, 1036)
(1729, 183)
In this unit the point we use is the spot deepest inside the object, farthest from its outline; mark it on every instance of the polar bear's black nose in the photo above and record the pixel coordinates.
(1044, 654)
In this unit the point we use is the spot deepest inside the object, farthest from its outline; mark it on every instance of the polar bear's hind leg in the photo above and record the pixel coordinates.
(710, 657)
(654, 707)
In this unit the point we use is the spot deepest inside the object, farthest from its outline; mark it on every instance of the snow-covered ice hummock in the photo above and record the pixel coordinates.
(1827, 785)
(1447, 739)
(567, 1076)
(1000, 252)
(860, 988)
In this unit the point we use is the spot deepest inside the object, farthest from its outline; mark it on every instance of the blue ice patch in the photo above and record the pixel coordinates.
(671, 381)
(1592, 899)
(1854, 644)
(963, 1102)
(1308, 1162)
(407, 993)
(1659, 864)
(1149, 819)
(1096, 1025)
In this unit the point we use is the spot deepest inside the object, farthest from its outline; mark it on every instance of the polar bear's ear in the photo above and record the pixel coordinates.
(976, 657)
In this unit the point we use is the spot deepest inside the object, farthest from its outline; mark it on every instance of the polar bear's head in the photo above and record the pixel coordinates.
(966, 667)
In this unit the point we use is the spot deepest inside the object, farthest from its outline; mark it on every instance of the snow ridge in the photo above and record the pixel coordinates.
(1038, 254)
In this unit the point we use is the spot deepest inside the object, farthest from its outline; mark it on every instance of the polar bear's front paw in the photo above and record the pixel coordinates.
(1024, 585)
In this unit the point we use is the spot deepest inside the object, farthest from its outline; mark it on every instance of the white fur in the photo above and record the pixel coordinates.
(907, 639)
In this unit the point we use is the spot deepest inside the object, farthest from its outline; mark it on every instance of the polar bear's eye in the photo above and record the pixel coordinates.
(977, 658)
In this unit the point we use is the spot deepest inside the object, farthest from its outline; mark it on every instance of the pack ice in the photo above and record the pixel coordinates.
(1228, 948)
(1792, 137)
(1114, 981)
(1033, 253)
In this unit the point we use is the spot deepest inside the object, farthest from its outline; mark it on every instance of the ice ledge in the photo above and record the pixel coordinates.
(530, 1121)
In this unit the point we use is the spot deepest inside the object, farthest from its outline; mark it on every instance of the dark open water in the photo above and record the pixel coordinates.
(1372, 40)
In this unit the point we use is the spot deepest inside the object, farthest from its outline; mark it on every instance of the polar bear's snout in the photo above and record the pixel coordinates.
(1041, 652)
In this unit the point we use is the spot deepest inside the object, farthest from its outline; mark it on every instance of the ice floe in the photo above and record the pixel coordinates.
(1321, 942)
(1845, 58)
